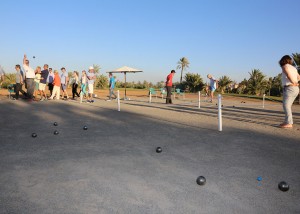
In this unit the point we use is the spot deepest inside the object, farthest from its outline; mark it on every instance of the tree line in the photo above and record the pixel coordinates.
(256, 84)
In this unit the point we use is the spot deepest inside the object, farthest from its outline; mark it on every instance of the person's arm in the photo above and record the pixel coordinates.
(288, 74)
(24, 59)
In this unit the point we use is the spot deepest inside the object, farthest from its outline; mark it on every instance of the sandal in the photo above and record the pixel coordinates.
(286, 126)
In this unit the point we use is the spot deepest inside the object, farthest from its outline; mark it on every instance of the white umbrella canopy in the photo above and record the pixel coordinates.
(125, 69)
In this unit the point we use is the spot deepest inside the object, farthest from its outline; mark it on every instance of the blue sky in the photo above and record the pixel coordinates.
(220, 37)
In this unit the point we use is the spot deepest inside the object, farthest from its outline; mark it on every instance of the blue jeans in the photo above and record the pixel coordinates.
(289, 95)
(111, 92)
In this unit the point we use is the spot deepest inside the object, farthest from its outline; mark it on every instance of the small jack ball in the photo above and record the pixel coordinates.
(85, 128)
(34, 135)
(201, 180)
(56, 132)
(158, 149)
(283, 186)
(55, 124)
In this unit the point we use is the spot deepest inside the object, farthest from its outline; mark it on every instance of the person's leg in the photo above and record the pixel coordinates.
(50, 87)
(110, 93)
(289, 96)
(58, 93)
(17, 90)
(76, 86)
(54, 92)
(30, 87)
(73, 90)
(169, 94)
(22, 91)
(113, 93)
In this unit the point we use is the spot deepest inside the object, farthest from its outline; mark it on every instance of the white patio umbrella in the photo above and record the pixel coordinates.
(125, 70)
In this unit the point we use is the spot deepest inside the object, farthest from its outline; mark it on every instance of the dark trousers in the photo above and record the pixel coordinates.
(74, 90)
(50, 87)
(18, 89)
(169, 95)
(30, 87)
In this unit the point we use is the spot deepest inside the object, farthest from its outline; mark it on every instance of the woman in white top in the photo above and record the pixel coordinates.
(290, 78)
(83, 85)
(75, 84)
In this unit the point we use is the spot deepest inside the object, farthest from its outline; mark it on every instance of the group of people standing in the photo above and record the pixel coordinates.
(36, 80)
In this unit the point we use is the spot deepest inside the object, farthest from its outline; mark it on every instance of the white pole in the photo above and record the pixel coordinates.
(264, 100)
(220, 112)
(119, 100)
(199, 97)
(150, 97)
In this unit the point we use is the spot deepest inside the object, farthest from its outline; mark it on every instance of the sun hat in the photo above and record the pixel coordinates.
(91, 68)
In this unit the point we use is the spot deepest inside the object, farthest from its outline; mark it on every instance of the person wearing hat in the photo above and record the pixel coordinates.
(91, 79)
(169, 84)
(64, 82)
(212, 86)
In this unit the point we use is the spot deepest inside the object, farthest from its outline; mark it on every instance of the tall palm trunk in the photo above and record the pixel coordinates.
(181, 74)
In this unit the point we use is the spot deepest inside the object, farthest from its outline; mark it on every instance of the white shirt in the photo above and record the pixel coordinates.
(293, 75)
(28, 71)
(212, 82)
(83, 79)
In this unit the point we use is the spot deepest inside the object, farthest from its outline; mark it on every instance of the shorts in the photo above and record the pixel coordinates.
(63, 87)
(36, 86)
(212, 89)
(91, 88)
(42, 86)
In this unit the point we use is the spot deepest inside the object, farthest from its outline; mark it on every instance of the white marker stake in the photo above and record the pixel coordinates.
(119, 100)
(150, 97)
(264, 100)
(220, 111)
(199, 97)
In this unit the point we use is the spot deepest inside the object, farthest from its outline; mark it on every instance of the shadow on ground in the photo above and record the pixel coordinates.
(112, 167)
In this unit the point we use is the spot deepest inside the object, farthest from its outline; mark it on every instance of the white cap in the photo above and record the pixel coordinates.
(91, 68)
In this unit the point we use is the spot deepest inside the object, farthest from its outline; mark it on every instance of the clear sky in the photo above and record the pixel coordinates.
(221, 37)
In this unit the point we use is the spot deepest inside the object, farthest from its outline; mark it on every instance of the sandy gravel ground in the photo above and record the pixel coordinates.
(113, 168)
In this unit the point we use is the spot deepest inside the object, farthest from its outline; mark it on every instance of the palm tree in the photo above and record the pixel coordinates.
(194, 82)
(96, 68)
(183, 64)
(224, 82)
(257, 82)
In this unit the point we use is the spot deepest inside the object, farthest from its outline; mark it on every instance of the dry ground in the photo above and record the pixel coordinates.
(113, 167)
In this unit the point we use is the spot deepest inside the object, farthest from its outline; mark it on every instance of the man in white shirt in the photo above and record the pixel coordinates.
(29, 77)
(212, 86)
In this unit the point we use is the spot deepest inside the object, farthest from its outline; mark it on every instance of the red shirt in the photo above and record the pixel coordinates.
(169, 79)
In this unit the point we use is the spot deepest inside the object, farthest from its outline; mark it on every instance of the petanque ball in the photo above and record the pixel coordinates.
(283, 186)
(56, 132)
(55, 124)
(201, 180)
(34, 135)
(158, 149)
(85, 128)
